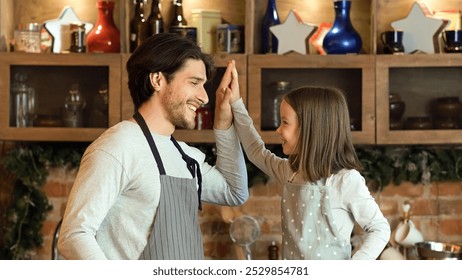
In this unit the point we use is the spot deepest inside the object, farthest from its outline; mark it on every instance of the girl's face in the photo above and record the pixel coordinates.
(289, 129)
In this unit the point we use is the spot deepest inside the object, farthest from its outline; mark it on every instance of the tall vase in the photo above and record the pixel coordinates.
(269, 42)
(104, 37)
(342, 38)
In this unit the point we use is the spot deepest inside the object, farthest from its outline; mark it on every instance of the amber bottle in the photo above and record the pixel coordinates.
(138, 26)
(178, 16)
(155, 19)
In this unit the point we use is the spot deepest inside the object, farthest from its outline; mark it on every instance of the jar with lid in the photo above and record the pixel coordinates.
(77, 37)
(27, 38)
(278, 89)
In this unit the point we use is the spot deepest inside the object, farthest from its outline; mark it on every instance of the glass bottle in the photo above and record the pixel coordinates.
(155, 20)
(342, 38)
(269, 42)
(24, 102)
(273, 251)
(280, 88)
(104, 37)
(73, 107)
(138, 26)
(100, 107)
(178, 17)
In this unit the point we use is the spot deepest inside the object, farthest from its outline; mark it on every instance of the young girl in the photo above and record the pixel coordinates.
(323, 193)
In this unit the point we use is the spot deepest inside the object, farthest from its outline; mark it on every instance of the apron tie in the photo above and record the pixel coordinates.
(193, 167)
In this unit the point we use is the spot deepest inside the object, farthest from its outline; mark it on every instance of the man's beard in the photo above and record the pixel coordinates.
(176, 112)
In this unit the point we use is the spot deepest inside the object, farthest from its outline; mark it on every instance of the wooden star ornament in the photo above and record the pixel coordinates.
(292, 34)
(420, 29)
(55, 27)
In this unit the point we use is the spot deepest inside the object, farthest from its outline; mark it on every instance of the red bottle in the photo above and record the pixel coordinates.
(104, 37)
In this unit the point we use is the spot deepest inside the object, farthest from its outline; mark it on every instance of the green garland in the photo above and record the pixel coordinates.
(29, 207)
(382, 165)
(415, 164)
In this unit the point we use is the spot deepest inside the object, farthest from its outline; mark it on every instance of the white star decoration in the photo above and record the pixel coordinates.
(292, 34)
(54, 26)
(420, 29)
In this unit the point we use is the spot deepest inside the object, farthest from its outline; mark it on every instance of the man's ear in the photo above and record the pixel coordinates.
(155, 80)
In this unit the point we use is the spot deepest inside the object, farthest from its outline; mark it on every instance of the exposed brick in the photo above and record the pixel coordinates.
(450, 207)
(451, 226)
(214, 227)
(263, 207)
(404, 189)
(388, 206)
(447, 189)
(56, 189)
(436, 211)
(48, 228)
(424, 207)
(269, 189)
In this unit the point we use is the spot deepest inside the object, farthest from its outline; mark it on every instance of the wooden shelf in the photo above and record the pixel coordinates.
(353, 74)
(367, 79)
(418, 79)
(46, 74)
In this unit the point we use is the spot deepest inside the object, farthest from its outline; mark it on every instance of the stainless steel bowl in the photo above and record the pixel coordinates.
(432, 250)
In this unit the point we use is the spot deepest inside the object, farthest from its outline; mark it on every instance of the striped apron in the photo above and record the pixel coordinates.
(175, 233)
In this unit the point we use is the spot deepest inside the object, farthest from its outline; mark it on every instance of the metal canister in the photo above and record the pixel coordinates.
(77, 37)
(230, 38)
(185, 31)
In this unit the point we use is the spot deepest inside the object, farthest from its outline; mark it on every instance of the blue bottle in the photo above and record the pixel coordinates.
(342, 38)
(269, 42)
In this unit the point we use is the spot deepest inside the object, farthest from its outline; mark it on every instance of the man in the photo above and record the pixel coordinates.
(138, 191)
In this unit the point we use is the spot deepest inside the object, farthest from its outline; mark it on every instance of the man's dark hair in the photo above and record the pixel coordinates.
(166, 53)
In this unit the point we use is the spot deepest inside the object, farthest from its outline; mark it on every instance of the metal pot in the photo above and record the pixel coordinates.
(432, 250)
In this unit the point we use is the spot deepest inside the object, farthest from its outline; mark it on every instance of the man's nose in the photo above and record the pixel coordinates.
(203, 96)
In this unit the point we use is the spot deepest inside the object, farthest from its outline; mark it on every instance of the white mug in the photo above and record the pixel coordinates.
(407, 234)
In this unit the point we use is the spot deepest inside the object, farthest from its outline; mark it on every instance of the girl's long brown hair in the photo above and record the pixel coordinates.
(324, 145)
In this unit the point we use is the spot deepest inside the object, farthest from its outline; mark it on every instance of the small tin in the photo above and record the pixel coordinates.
(185, 31)
(230, 38)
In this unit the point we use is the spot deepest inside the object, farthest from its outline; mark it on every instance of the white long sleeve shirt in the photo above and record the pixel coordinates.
(350, 199)
(114, 199)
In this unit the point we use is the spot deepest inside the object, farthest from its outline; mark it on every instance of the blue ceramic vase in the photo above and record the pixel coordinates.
(269, 42)
(342, 38)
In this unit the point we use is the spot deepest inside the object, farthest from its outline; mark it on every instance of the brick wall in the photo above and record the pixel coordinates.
(436, 211)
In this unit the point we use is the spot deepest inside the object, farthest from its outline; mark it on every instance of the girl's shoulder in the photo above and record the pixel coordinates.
(346, 176)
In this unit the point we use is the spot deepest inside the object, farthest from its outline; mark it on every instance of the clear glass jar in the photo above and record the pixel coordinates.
(279, 89)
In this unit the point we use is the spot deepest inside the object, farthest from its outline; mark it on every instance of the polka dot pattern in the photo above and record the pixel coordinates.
(308, 229)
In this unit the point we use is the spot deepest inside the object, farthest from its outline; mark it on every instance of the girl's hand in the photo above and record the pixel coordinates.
(227, 92)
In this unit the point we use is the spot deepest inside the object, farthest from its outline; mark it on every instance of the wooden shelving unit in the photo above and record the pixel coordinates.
(367, 78)
(353, 74)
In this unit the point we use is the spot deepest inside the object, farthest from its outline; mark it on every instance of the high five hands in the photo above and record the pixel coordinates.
(227, 93)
